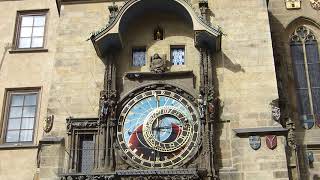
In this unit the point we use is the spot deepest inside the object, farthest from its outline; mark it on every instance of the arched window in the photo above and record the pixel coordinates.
(306, 67)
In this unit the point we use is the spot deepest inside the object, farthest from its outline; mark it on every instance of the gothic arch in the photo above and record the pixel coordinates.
(109, 38)
(300, 21)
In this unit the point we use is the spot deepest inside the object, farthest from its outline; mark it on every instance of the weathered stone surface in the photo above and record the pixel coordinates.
(71, 76)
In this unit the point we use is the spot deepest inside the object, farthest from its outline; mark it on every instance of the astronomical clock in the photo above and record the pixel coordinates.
(159, 129)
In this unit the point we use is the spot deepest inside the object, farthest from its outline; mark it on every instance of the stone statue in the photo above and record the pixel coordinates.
(157, 64)
(104, 107)
(201, 106)
(108, 106)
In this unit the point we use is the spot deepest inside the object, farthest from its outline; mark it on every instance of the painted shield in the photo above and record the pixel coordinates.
(318, 121)
(255, 142)
(271, 141)
(308, 122)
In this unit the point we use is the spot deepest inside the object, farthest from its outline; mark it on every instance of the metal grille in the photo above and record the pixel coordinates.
(139, 57)
(86, 153)
(177, 55)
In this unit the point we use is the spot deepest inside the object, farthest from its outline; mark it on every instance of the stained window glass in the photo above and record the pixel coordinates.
(177, 55)
(306, 67)
(138, 57)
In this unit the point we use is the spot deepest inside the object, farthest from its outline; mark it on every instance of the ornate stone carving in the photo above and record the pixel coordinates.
(291, 135)
(166, 174)
(201, 105)
(315, 4)
(81, 124)
(158, 64)
(48, 124)
(204, 7)
(108, 105)
(293, 4)
(276, 113)
(87, 177)
(113, 9)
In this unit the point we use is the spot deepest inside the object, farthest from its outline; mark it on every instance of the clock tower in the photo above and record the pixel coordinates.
(159, 102)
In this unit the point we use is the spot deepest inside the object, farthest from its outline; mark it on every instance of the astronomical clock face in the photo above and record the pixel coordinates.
(158, 129)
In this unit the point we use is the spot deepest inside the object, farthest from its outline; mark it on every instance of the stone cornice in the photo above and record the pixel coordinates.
(260, 131)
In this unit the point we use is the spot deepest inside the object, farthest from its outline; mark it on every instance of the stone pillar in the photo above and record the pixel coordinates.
(50, 158)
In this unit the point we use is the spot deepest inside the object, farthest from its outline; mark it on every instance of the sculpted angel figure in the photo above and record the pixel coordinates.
(157, 64)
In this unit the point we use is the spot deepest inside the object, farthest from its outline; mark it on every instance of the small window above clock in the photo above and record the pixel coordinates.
(177, 54)
(138, 57)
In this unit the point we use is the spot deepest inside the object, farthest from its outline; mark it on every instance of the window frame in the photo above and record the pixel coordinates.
(6, 110)
(178, 47)
(20, 14)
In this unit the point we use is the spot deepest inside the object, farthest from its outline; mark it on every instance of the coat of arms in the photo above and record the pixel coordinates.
(271, 141)
(48, 123)
(315, 4)
(308, 123)
(318, 121)
(255, 142)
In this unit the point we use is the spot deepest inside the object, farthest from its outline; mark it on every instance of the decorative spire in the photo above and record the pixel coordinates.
(203, 6)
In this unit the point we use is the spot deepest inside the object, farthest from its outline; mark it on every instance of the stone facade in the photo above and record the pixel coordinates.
(247, 69)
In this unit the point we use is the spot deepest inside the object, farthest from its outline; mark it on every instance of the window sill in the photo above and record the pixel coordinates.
(28, 50)
(18, 146)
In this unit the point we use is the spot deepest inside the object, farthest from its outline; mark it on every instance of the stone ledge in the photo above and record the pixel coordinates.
(51, 140)
(151, 75)
(30, 50)
(260, 131)
(313, 146)
(18, 146)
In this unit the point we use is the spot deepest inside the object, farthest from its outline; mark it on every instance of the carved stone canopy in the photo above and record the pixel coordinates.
(166, 174)
(108, 38)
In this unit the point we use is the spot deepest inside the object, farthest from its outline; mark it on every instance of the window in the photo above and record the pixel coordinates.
(86, 154)
(306, 67)
(30, 30)
(20, 116)
(177, 55)
(138, 57)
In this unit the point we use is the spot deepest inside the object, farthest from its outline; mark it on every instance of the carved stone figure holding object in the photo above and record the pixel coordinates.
(158, 64)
